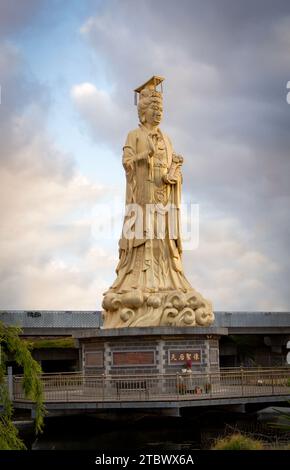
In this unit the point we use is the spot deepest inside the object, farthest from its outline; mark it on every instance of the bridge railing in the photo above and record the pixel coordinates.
(238, 382)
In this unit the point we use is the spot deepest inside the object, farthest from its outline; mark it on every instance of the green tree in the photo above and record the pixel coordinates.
(12, 344)
(245, 344)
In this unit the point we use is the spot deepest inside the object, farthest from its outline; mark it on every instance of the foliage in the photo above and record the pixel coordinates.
(11, 343)
(44, 343)
(245, 345)
(9, 439)
(284, 427)
(284, 423)
(237, 442)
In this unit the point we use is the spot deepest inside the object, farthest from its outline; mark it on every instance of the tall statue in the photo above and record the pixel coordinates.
(151, 288)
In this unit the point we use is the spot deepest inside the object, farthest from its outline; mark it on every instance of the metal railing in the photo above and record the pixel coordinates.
(226, 383)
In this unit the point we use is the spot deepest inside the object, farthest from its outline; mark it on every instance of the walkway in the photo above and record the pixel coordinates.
(231, 386)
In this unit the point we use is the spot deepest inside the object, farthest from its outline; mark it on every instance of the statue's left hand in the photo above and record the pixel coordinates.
(168, 180)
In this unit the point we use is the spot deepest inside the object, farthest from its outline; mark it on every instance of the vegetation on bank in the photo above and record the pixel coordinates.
(19, 350)
(237, 441)
(44, 343)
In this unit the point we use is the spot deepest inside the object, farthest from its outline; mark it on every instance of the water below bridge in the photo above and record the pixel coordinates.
(189, 432)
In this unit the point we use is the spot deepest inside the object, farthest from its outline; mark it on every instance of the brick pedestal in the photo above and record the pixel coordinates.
(145, 351)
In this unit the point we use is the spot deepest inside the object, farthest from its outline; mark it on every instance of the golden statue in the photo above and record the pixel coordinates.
(151, 288)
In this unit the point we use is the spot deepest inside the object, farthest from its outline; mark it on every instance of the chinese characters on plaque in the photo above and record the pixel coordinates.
(180, 357)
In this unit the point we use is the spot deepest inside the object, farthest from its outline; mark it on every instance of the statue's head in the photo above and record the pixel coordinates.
(150, 106)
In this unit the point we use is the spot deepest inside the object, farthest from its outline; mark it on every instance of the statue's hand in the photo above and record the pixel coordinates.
(168, 180)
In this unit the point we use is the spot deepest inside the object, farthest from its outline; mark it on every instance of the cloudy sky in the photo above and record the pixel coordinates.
(67, 71)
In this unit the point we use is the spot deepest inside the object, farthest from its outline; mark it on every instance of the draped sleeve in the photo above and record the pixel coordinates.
(129, 163)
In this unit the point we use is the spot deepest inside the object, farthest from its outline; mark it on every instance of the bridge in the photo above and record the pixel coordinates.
(67, 322)
(237, 386)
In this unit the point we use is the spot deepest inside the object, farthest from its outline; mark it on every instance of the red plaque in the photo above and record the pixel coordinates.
(133, 358)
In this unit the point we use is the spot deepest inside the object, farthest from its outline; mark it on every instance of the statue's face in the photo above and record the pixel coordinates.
(153, 113)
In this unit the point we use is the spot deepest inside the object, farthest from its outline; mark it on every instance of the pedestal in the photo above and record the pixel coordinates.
(147, 351)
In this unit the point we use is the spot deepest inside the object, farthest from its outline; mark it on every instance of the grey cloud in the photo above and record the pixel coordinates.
(21, 16)
(15, 14)
(24, 107)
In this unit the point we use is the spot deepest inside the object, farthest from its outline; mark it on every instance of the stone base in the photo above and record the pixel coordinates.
(146, 351)
(142, 309)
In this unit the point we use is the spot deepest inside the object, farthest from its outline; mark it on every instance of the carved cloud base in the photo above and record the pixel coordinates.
(171, 308)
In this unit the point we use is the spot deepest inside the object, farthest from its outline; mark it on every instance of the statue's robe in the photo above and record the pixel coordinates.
(147, 263)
